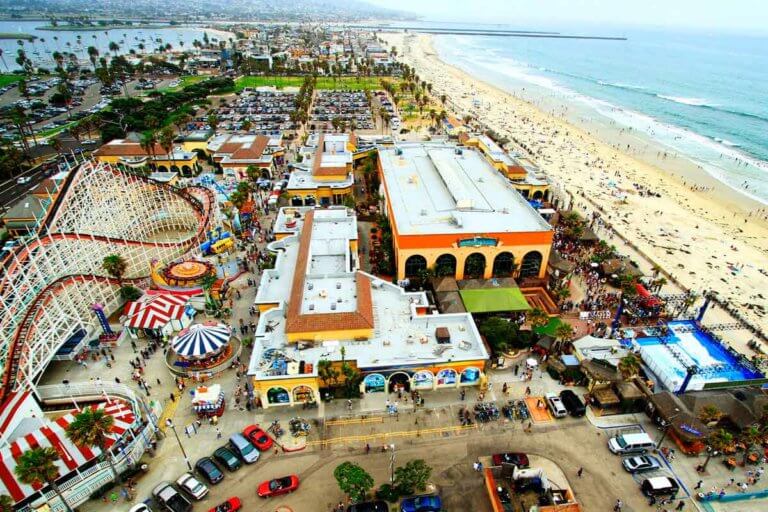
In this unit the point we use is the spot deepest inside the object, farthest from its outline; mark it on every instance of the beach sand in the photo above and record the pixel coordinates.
(704, 240)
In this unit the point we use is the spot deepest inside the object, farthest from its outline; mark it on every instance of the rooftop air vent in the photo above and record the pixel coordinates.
(459, 151)
(333, 307)
(310, 286)
(311, 307)
(423, 212)
(338, 285)
(398, 152)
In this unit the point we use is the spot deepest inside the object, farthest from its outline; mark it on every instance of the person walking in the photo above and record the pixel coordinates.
(680, 505)
(699, 484)
(218, 433)
(618, 506)
(580, 472)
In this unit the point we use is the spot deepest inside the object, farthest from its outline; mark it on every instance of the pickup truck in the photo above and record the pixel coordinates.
(171, 499)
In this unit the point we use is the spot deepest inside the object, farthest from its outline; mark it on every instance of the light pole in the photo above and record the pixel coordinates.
(392, 464)
(169, 423)
(667, 425)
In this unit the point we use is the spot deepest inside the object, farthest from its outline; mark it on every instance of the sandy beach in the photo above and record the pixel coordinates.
(705, 239)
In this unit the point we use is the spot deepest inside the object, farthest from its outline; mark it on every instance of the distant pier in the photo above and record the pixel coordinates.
(489, 32)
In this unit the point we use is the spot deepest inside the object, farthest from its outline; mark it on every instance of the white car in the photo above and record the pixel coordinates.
(556, 405)
(192, 486)
(21, 180)
(141, 507)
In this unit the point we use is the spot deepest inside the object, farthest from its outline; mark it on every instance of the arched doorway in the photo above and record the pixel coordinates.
(531, 264)
(309, 201)
(278, 395)
(303, 394)
(162, 168)
(503, 264)
(265, 174)
(415, 265)
(538, 195)
(474, 266)
(186, 170)
(174, 168)
(445, 265)
(399, 381)
(297, 201)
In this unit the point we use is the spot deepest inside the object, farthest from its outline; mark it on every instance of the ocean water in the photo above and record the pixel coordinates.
(698, 95)
(40, 51)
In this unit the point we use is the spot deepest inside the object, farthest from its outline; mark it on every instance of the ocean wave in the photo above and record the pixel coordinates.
(693, 102)
(726, 142)
(619, 85)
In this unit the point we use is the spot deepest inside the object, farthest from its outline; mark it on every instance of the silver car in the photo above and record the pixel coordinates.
(641, 464)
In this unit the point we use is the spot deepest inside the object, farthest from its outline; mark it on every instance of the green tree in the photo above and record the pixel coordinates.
(498, 333)
(563, 332)
(750, 436)
(538, 318)
(352, 378)
(206, 283)
(90, 428)
(353, 480)
(115, 266)
(6, 503)
(718, 441)
(412, 477)
(213, 121)
(130, 293)
(167, 136)
(37, 467)
(327, 373)
(629, 365)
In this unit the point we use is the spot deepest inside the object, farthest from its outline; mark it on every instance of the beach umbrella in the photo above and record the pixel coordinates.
(532, 363)
(200, 340)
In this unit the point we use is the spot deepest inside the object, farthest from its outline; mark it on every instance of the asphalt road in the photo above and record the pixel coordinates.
(10, 191)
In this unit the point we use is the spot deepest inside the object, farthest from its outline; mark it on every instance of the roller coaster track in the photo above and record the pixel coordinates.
(51, 281)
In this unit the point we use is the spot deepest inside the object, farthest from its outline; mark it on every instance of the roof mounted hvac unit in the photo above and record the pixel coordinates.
(398, 152)
(459, 151)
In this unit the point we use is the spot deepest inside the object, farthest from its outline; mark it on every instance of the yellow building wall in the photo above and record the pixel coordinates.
(461, 254)
(330, 335)
(317, 193)
(266, 307)
(196, 144)
(114, 160)
(289, 383)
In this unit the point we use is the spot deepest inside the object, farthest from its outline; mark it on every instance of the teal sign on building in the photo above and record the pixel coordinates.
(478, 242)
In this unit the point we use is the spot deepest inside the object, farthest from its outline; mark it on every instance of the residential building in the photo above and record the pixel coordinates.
(238, 152)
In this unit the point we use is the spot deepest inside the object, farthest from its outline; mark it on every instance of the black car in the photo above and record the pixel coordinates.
(209, 470)
(515, 458)
(369, 506)
(573, 403)
(227, 458)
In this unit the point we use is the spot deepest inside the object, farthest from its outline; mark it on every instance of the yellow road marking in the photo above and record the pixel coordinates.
(354, 421)
(386, 435)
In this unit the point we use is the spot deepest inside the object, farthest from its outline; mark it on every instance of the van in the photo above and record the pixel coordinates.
(556, 405)
(631, 443)
(572, 402)
(244, 449)
(660, 486)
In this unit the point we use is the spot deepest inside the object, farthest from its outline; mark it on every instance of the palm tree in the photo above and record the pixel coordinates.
(750, 436)
(563, 332)
(147, 143)
(206, 283)
(629, 365)
(718, 441)
(538, 317)
(115, 266)
(90, 428)
(114, 48)
(327, 373)
(6, 503)
(93, 55)
(167, 137)
(38, 466)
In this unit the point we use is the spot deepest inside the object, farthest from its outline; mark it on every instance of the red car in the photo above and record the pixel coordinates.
(278, 486)
(231, 505)
(258, 437)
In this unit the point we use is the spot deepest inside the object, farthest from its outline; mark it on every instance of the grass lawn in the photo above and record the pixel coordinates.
(550, 328)
(7, 78)
(323, 82)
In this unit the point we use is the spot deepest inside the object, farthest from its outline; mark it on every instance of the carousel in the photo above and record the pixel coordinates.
(201, 350)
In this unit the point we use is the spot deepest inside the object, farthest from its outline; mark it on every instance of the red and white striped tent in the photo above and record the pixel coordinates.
(154, 311)
(53, 434)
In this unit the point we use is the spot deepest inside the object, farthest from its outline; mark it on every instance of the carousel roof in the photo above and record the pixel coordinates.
(201, 339)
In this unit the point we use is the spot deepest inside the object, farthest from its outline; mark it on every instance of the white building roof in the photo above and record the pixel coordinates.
(437, 188)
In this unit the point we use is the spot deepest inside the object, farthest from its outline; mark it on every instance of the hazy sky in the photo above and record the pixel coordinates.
(725, 14)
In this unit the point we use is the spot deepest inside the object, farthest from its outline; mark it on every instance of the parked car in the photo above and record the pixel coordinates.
(243, 448)
(660, 486)
(192, 486)
(573, 403)
(258, 437)
(631, 443)
(141, 507)
(556, 405)
(209, 470)
(430, 503)
(516, 459)
(171, 499)
(231, 505)
(641, 463)
(369, 506)
(278, 486)
(228, 459)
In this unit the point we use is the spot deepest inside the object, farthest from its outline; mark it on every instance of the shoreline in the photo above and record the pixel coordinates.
(94, 28)
(703, 239)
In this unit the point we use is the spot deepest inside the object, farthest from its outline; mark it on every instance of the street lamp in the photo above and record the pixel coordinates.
(666, 425)
(169, 423)
(392, 464)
